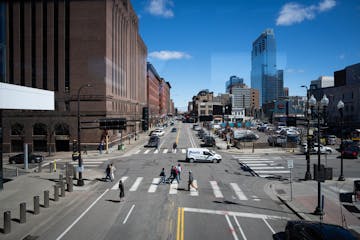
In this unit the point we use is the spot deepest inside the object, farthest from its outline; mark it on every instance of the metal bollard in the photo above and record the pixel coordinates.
(23, 212)
(74, 172)
(39, 167)
(36, 205)
(62, 188)
(17, 172)
(70, 185)
(46, 199)
(7, 222)
(61, 177)
(51, 167)
(56, 193)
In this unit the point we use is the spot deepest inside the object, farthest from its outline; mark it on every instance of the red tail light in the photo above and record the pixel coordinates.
(354, 154)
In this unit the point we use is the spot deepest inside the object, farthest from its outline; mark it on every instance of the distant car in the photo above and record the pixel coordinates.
(209, 141)
(158, 133)
(173, 130)
(351, 151)
(32, 158)
(153, 141)
(301, 230)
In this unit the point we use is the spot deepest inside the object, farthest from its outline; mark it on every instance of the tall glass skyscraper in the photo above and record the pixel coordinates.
(264, 75)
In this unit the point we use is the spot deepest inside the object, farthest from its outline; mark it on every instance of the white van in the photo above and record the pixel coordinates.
(202, 155)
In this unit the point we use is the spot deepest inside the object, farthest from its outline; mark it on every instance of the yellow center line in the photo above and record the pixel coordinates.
(177, 137)
(180, 224)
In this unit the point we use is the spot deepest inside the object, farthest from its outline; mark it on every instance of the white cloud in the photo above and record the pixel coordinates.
(161, 8)
(291, 70)
(169, 55)
(341, 56)
(292, 13)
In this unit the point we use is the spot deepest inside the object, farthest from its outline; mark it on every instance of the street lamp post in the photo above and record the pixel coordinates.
(308, 173)
(340, 107)
(80, 181)
(136, 107)
(323, 103)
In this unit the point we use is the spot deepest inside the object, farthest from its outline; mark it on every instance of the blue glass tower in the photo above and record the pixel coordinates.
(264, 75)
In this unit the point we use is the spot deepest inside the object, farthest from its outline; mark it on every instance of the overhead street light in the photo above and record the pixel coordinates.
(307, 114)
(80, 181)
(340, 107)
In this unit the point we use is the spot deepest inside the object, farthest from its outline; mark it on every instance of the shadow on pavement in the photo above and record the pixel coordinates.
(111, 200)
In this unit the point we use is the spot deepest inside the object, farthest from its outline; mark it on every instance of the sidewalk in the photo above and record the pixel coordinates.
(32, 183)
(305, 197)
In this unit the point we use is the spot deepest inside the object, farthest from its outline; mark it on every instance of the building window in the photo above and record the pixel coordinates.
(67, 106)
(17, 129)
(39, 129)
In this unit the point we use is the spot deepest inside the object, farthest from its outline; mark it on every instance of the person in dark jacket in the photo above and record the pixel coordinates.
(121, 188)
(163, 176)
(191, 181)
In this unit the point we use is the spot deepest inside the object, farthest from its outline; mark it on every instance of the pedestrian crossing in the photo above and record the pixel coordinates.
(160, 151)
(87, 162)
(263, 165)
(137, 184)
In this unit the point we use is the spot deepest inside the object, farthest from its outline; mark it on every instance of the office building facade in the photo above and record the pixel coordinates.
(62, 46)
(264, 74)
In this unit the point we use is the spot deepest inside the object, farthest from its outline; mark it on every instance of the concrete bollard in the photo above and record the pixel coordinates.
(46, 199)
(36, 205)
(70, 186)
(39, 167)
(23, 212)
(7, 222)
(62, 188)
(51, 167)
(56, 193)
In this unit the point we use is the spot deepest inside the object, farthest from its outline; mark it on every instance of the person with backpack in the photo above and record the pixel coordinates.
(122, 191)
(107, 172)
(175, 175)
(179, 171)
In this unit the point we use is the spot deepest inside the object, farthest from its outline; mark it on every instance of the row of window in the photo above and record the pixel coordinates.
(39, 129)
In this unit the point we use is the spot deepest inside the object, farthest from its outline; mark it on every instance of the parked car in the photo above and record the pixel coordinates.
(202, 155)
(300, 230)
(351, 151)
(330, 139)
(209, 141)
(276, 140)
(32, 158)
(173, 130)
(323, 149)
(154, 141)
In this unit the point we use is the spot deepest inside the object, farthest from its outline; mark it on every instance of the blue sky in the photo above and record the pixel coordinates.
(199, 44)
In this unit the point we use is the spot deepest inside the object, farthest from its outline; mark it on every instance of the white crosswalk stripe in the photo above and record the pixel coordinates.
(183, 150)
(173, 188)
(239, 193)
(193, 191)
(147, 151)
(154, 185)
(156, 151)
(116, 186)
(165, 150)
(216, 189)
(136, 184)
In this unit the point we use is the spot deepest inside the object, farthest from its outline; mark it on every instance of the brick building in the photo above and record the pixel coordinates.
(62, 46)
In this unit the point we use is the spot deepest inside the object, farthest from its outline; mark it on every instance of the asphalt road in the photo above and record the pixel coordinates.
(229, 204)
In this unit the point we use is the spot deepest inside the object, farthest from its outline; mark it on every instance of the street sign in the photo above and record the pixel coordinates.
(290, 163)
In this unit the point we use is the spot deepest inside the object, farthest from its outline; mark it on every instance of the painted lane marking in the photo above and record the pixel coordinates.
(216, 189)
(271, 229)
(154, 185)
(240, 229)
(156, 151)
(183, 150)
(232, 230)
(127, 216)
(137, 151)
(193, 191)
(265, 161)
(136, 184)
(256, 164)
(173, 188)
(238, 214)
(83, 214)
(255, 168)
(240, 194)
(272, 171)
(147, 151)
(165, 150)
(116, 186)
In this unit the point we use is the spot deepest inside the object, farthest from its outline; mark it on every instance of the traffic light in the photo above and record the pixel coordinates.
(145, 119)
(112, 123)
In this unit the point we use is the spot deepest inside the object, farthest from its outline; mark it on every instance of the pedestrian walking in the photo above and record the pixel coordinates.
(174, 147)
(85, 150)
(179, 169)
(175, 175)
(163, 176)
(112, 172)
(191, 181)
(122, 192)
(107, 172)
